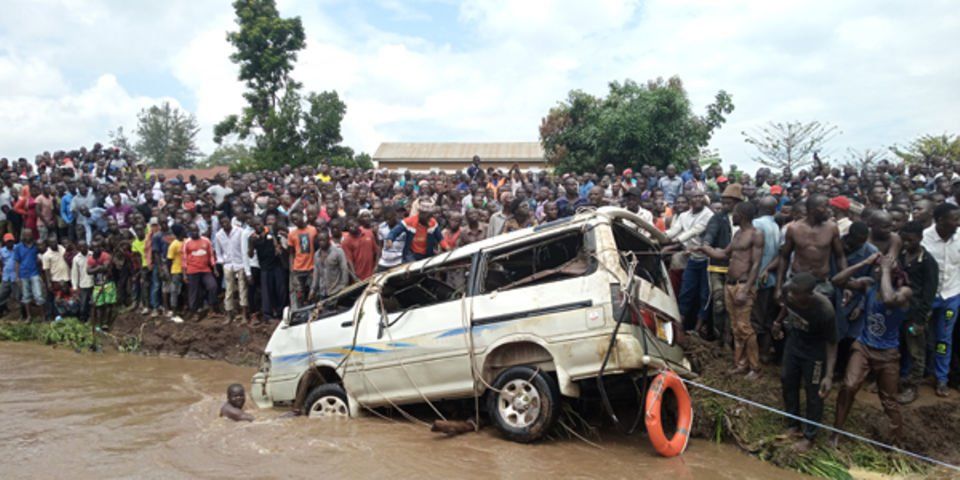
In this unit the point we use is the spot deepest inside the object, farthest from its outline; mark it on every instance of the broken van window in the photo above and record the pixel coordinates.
(649, 263)
(546, 260)
(417, 289)
(339, 303)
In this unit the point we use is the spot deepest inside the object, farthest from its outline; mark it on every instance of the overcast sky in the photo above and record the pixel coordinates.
(882, 71)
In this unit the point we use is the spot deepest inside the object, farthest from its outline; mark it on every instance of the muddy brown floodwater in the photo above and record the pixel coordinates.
(66, 415)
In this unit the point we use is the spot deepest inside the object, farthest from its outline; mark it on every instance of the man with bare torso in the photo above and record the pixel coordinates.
(882, 235)
(808, 244)
(745, 252)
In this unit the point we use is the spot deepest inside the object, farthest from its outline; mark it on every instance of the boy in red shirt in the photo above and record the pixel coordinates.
(361, 249)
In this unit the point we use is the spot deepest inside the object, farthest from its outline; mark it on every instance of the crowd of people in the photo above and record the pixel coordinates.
(832, 273)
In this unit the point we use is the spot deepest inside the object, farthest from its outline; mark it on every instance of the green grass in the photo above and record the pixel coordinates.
(69, 332)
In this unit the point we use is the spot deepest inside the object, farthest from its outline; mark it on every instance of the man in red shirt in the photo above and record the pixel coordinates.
(361, 249)
(301, 241)
(199, 262)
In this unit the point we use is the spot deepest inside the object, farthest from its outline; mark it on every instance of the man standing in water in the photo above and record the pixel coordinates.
(745, 252)
(233, 408)
(808, 244)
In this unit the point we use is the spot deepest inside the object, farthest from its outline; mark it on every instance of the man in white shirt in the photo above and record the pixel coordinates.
(687, 230)
(228, 245)
(80, 280)
(944, 246)
(251, 266)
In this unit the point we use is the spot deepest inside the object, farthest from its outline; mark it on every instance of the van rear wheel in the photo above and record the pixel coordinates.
(525, 403)
(327, 401)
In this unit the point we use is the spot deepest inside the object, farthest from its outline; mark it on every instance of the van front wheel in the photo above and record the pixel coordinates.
(524, 404)
(326, 401)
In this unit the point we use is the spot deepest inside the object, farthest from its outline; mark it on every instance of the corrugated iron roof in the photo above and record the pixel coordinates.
(458, 151)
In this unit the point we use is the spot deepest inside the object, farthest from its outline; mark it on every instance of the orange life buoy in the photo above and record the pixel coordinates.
(668, 447)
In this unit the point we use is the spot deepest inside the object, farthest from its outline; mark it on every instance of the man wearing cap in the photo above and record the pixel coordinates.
(8, 285)
(840, 206)
(719, 232)
(631, 201)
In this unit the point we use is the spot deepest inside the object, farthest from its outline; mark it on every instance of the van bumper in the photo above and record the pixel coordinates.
(582, 359)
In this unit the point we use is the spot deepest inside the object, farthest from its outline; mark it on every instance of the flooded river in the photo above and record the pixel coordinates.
(64, 415)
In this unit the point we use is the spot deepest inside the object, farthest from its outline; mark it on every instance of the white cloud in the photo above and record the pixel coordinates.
(882, 71)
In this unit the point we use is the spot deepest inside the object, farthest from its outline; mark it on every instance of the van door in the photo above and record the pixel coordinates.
(420, 349)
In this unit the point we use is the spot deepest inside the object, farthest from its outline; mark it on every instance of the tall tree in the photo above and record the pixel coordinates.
(633, 125)
(321, 124)
(790, 145)
(864, 159)
(167, 137)
(119, 139)
(929, 148)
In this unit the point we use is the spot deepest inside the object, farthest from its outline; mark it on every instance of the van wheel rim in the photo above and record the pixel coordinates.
(519, 403)
(329, 407)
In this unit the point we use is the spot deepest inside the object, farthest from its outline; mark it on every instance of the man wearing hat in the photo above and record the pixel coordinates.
(840, 205)
(719, 232)
(631, 201)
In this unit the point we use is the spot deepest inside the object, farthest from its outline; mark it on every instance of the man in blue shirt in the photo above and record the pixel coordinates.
(66, 211)
(9, 272)
(27, 259)
(876, 349)
(765, 306)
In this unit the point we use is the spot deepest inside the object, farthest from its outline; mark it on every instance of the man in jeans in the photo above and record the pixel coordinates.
(944, 246)
(687, 229)
(8, 288)
(809, 353)
(301, 241)
(199, 262)
(765, 306)
(876, 349)
(229, 254)
(27, 259)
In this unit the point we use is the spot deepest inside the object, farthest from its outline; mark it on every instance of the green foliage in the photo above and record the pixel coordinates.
(928, 148)
(167, 137)
(633, 125)
(232, 155)
(119, 139)
(286, 127)
(68, 332)
(790, 145)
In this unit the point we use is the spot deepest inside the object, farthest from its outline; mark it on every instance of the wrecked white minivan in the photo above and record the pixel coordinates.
(518, 320)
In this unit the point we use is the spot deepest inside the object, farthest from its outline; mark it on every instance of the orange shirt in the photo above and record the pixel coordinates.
(301, 240)
(198, 256)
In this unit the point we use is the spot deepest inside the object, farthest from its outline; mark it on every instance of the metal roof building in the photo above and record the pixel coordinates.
(452, 156)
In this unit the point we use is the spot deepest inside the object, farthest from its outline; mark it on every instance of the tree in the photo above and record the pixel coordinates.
(119, 139)
(167, 137)
(865, 159)
(928, 148)
(633, 125)
(321, 124)
(233, 155)
(790, 145)
(286, 128)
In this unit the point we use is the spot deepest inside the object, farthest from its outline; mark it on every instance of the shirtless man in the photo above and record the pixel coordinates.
(233, 407)
(882, 235)
(745, 252)
(808, 244)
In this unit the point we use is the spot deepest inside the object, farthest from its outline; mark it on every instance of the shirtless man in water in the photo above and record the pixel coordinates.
(808, 244)
(745, 252)
(233, 408)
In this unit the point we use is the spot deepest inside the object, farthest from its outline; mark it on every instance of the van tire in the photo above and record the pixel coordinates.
(524, 404)
(327, 401)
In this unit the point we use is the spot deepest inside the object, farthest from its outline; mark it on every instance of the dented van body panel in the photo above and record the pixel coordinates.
(444, 327)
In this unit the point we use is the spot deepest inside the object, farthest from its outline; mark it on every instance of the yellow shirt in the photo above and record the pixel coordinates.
(175, 253)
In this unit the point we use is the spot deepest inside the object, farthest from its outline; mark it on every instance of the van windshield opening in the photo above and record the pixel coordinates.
(649, 261)
(339, 303)
(548, 259)
(419, 289)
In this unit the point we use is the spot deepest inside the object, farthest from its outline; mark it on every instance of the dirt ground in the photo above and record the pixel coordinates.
(208, 338)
